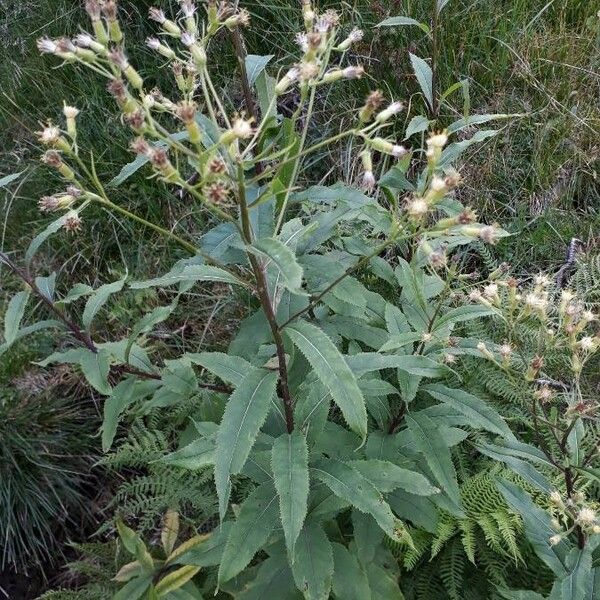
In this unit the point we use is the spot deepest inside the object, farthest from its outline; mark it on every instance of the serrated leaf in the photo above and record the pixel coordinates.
(424, 76)
(190, 273)
(461, 314)
(366, 362)
(284, 259)
(333, 371)
(480, 414)
(387, 476)
(350, 485)
(228, 367)
(41, 237)
(244, 415)
(400, 21)
(349, 580)
(289, 463)
(134, 589)
(98, 299)
(14, 315)
(250, 531)
(173, 581)
(313, 565)
(538, 528)
(435, 452)
(123, 395)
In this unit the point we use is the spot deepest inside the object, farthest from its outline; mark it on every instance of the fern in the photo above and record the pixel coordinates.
(586, 279)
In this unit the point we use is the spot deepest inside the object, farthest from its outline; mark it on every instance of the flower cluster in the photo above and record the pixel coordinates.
(569, 513)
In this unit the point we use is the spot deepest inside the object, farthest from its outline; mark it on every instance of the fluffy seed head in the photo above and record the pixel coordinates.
(353, 72)
(118, 57)
(186, 111)
(48, 203)
(417, 207)
(158, 157)
(587, 343)
(242, 128)
(488, 234)
(72, 222)
(554, 540)
(216, 192)
(153, 43)
(438, 184)
(109, 9)
(437, 140)
(188, 8)
(118, 89)
(92, 8)
(52, 158)
(140, 146)
(49, 135)
(368, 181)
(586, 516)
(217, 166)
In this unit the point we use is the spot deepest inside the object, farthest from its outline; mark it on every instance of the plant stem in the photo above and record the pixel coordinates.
(262, 290)
(434, 59)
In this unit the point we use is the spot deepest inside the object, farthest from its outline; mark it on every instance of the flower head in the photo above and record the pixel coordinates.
(586, 516)
(47, 46)
(72, 222)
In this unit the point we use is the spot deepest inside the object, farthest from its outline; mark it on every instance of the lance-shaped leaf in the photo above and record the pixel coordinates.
(95, 367)
(480, 415)
(313, 564)
(244, 415)
(251, 530)
(429, 442)
(366, 362)
(189, 274)
(196, 455)
(14, 314)
(387, 476)
(424, 76)
(175, 580)
(351, 485)
(399, 21)
(349, 580)
(333, 371)
(98, 299)
(228, 367)
(289, 463)
(284, 259)
(538, 528)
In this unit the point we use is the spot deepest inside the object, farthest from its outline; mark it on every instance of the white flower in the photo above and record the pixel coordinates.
(555, 539)
(187, 8)
(438, 140)
(398, 151)
(302, 41)
(47, 46)
(587, 343)
(586, 516)
(49, 135)
(70, 112)
(188, 39)
(505, 350)
(353, 72)
(153, 43)
(368, 180)
(242, 128)
(536, 301)
(438, 184)
(490, 291)
(542, 280)
(417, 207)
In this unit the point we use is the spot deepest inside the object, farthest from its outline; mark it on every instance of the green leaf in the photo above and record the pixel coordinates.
(196, 455)
(4, 181)
(576, 584)
(14, 315)
(436, 453)
(273, 580)
(250, 531)
(423, 366)
(207, 553)
(538, 528)
(95, 367)
(190, 273)
(228, 367)
(351, 485)
(480, 415)
(519, 466)
(77, 291)
(46, 286)
(175, 580)
(265, 91)
(477, 120)
(24, 331)
(98, 299)
(520, 595)
(134, 589)
(398, 21)
(255, 65)
(40, 238)
(289, 463)
(284, 259)
(417, 124)
(424, 76)
(313, 563)
(349, 580)
(333, 371)
(387, 476)
(368, 537)
(453, 151)
(461, 314)
(123, 395)
(244, 415)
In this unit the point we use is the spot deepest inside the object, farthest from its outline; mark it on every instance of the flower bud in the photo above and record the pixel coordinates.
(169, 26)
(188, 9)
(387, 113)
(373, 102)
(155, 44)
(109, 8)
(355, 36)
(287, 81)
